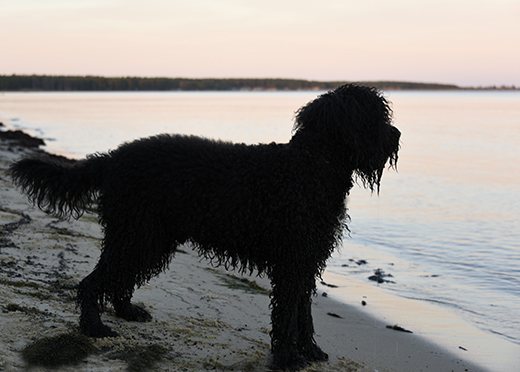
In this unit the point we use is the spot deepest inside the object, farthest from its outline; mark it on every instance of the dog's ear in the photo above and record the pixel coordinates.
(355, 121)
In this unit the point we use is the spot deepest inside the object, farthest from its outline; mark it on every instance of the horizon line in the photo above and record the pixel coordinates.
(415, 84)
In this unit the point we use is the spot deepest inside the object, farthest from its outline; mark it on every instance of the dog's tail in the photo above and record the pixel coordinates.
(59, 186)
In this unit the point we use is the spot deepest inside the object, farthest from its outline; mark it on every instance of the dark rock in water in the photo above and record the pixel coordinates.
(21, 138)
(376, 278)
(379, 276)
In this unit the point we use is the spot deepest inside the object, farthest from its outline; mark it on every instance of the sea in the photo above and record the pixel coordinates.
(444, 228)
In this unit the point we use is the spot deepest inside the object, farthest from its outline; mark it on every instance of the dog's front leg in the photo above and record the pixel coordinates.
(306, 343)
(284, 320)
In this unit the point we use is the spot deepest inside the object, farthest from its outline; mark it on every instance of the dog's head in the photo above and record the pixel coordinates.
(356, 122)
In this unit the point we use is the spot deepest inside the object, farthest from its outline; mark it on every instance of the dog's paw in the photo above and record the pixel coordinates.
(90, 324)
(288, 362)
(133, 313)
(315, 354)
(98, 330)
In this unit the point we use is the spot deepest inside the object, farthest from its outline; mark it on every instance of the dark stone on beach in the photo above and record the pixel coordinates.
(364, 303)
(21, 138)
(398, 328)
(329, 285)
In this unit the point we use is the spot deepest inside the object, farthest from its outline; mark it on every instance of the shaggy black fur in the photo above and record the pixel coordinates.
(277, 208)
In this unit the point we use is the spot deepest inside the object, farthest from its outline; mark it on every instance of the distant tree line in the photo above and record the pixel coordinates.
(98, 83)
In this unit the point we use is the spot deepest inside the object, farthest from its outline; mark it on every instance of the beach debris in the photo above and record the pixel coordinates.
(329, 285)
(335, 315)
(379, 276)
(324, 294)
(358, 262)
(463, 348)
(140, 358)
(364, 303)
(64, 349)
(398, 328)
(234, 282)
(21, 138)
(11, 226)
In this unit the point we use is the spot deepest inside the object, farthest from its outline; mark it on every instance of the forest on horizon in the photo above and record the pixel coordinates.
(99, 83)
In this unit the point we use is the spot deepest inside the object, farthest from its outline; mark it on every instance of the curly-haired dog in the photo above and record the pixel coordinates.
(276, 208)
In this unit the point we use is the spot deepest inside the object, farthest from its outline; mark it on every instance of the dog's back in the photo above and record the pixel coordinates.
(225, 197)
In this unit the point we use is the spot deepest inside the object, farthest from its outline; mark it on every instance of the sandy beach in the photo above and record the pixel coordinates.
(204, 317)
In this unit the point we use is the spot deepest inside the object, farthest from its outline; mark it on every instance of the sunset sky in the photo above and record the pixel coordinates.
(464, 42)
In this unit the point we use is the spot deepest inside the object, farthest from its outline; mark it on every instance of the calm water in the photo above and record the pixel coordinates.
(447, 226)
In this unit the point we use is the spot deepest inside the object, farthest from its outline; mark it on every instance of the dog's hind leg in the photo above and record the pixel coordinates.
(123, 276)
(89, 301)
(114, 280)
(128, 311)
(107, 282)
(132, 259)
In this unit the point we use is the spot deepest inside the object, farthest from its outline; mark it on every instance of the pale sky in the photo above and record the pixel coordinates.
(464, 42)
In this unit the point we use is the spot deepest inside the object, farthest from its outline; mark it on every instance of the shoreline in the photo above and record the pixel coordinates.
(430, 323)
(204, 317)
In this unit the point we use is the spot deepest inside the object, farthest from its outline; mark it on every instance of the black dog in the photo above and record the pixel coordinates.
(277, 208)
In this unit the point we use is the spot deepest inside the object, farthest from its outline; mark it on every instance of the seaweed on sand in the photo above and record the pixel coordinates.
(140, 358)
(64, 349)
